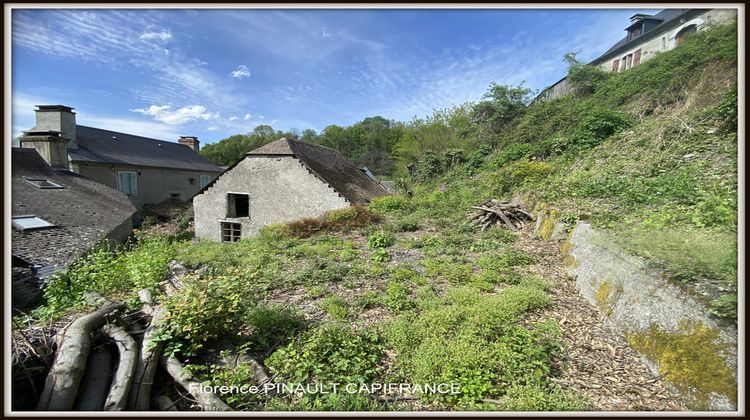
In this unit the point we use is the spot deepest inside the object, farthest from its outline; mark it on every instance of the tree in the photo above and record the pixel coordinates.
(501, 105)
(584, 78)
(309, 135)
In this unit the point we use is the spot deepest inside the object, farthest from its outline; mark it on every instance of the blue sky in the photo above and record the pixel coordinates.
(214, 73)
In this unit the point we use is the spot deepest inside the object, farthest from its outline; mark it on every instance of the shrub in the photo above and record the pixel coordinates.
(331, 353)
(390, 204)
(316, 292)
(147, 263)
(725, 307)
(271, 326)
(100, 271)
(381, 255)
(407, 225)
(397, 297)
(367, 299)
(380, 240)
(335, 306)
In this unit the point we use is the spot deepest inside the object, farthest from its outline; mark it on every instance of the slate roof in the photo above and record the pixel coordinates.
(104, 146)
(85, 211)
(668, 17)
(328, 165)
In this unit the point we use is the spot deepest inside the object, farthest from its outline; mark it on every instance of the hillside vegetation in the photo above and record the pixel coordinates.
(406, 291)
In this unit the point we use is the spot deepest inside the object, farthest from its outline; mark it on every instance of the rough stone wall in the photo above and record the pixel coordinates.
(281, 189)
(154, 185)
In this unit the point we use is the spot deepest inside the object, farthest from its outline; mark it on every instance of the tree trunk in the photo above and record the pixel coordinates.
(128, 349)
(62, 382)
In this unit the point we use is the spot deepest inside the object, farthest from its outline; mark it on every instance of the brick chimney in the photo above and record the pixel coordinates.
(191, 142)
(58, 118)
(50, 145)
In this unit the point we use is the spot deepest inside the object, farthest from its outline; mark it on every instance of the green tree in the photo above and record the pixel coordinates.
(501, 105)
(584, 78)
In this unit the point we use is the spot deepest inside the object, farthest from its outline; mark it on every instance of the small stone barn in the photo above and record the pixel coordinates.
(282, 181)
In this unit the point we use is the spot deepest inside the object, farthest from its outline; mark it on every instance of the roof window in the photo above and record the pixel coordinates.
(24, 223)
(44, 184)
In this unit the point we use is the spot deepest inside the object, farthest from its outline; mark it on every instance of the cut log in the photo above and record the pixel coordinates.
(62, 382)
(128, 349)
(146, 364)
(165, 403)
(96, 379)
(207, 400)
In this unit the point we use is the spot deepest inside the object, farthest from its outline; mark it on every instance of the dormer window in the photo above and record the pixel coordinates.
(30, 222)
(44, 184)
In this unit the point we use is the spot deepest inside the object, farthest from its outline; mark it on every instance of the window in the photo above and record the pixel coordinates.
(44, 184)
(128, 182)
(24, 223)
(191, 181)
(205, 179)
(231, 232)
(238, 205)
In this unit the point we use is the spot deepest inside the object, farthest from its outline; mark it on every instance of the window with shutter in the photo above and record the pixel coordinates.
(615, 65)
(637, 57)
(128, 182)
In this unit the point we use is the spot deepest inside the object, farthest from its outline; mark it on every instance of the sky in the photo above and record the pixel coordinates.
(213, 73)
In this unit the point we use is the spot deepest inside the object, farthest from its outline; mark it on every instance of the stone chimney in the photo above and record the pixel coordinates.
(51, 145)
(191, 142)
(58, 118)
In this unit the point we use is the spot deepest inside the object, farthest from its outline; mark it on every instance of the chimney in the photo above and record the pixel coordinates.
(191, 142)
(50, 145)
(58, 118)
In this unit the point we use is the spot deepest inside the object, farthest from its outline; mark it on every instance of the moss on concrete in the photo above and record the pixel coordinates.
(606, 296)
(691, 359)
(549, 218)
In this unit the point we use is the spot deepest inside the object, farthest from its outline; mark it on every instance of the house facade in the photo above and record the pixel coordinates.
(646, 36)
(147, 170)
(282, 181)
(57, 216)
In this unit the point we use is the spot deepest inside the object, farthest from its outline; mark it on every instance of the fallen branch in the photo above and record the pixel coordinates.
(62, 382)
(504, 213)
(128, 350)
(207, 400)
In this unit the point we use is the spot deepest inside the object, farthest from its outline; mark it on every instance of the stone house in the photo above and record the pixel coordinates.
(282, 181)
(147, 170)
(647, 35)
(57, 216)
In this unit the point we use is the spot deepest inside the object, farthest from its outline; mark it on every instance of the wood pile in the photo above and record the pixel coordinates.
(503, 213)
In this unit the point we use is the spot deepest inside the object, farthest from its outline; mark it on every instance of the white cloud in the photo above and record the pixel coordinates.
(183, 115)
(240, 72)
(232, 118)
(162, 36)
(247, 116)
(213, 128)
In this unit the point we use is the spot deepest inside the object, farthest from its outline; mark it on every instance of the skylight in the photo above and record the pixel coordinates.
(24, 223)
(44, 184)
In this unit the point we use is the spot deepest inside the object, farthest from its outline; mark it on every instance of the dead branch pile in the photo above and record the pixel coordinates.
(108, 360)
(502, 213)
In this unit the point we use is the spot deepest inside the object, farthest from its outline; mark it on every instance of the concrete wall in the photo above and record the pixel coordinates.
(154, 185)
(62, 121)
(668, 40)
(693, 351)
(281, 189)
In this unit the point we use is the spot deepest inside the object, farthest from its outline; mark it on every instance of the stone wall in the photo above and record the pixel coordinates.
(281, 189)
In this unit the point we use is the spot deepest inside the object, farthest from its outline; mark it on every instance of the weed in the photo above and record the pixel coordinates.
(335, 306)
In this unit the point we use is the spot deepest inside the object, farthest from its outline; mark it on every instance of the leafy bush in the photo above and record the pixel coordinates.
(725, 307)
(331, 353)
(584, 78)
(381, 255)
(366, 300)
(397, 297)
(147, 263)
(101, 270)
(335, 306)
(407, 225)
(380, 240)
(269, 327)
(390, 204)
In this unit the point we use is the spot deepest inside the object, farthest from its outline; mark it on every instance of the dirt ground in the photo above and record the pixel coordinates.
(597, 362)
